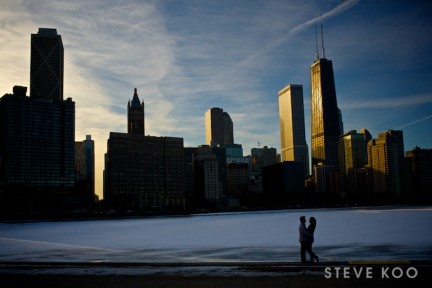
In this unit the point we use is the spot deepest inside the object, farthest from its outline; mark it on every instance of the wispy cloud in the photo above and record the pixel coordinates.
(396, 102)
(415, 122)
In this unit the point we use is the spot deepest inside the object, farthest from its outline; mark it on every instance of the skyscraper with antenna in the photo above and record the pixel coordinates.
(326, 122)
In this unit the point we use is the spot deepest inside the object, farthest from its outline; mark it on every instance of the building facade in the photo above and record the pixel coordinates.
(420, 162)
(144, 173)
(85, 171)
(385, 154)
(283, 184)
(46, 65)
(208, 185)
(292, 126)
(219, 127)
(352, 158)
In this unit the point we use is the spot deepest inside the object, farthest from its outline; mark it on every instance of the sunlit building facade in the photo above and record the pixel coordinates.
(326, 119)
(352, 159)
(385, 154)
(292, 126)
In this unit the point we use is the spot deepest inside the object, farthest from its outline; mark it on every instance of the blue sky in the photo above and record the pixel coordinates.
(185, 57)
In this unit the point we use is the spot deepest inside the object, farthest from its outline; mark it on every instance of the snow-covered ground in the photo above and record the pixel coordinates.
(378, 233)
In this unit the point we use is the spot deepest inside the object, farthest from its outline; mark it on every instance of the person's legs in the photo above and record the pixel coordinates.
(303, 248)
(312, 255)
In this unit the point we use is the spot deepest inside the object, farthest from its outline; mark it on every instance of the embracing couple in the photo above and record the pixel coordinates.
(307, 238)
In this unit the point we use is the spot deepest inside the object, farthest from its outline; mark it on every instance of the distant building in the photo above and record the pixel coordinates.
(189, 177)
(385, 154)
(143, 173)
(219, 127)
(326, 179)
(283, 184)
(352, 157)
(420, 162)
(262, 157)
(292, 126)
(85, 171)
(208, 185)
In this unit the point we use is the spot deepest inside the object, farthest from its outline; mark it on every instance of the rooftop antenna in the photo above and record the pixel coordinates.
(316, 43)
(322, 39)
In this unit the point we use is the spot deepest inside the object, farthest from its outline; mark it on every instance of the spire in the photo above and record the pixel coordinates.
(135, 100)
(316, 43)
(322, 39)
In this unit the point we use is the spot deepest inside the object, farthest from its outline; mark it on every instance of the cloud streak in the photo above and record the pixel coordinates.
(396, 102)
(415, 122)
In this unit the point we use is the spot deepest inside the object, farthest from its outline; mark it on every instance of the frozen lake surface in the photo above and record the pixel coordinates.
(378, 233)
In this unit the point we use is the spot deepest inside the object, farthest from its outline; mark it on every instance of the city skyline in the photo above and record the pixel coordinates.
(186, 58)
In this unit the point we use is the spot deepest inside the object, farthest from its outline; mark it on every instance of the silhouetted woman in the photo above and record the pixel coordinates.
(311, 229)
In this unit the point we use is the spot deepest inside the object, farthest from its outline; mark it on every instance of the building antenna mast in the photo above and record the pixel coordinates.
(322, 39)
(316, 43)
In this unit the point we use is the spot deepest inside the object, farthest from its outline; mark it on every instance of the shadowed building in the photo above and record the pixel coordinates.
(219, 127)
(46, 65)
(37, 136)
(85, 171)
(143, 173)
(420, 163)
(283, 184)
(292, 126)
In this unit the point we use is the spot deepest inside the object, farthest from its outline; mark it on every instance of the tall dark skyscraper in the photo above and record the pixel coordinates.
(46, 65)
(37, 136)
(136, 115)
(326, 119)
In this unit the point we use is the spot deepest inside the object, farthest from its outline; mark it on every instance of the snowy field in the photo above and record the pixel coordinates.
(379, 233)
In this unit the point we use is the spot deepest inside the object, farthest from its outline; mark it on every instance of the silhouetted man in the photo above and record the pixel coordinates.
(303, 238)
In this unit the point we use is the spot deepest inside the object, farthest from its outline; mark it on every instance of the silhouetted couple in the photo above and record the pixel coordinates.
(307, 239)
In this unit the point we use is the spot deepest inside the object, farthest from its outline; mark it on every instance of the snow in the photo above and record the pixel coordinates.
(401, 233)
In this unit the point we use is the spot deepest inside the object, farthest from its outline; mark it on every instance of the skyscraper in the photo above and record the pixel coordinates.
(85, 171)
(136, 115)
(325, 115)
(219, 127)
(46, 65)
(292, 126)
